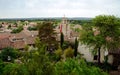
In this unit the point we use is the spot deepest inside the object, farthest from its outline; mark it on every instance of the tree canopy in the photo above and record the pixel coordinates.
(47, 35)
(103, 33)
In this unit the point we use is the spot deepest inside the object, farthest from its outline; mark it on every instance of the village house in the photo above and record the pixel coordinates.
(19, 40)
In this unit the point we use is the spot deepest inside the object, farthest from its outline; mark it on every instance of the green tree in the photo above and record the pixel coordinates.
(15, 69)
(0, 26)
(61, 40)
(76, 67)
(37, 61)
(58, 54)
(8, 54)
(19, 29)
(47, 35)
(76, 47)
(1, 67)
(103, 33)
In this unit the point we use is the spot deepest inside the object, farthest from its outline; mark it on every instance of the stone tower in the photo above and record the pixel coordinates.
(65, 27)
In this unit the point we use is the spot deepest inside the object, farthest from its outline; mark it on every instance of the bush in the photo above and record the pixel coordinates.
(19, 29)
(69, 52)
(76, 67)
(1, 67)
(32, 28)
(58, 54)
(15, 69)
(8, 54)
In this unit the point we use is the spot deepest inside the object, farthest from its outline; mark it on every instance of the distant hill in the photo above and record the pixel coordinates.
(49, 18)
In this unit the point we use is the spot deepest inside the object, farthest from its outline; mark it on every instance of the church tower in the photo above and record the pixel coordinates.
(65, 27)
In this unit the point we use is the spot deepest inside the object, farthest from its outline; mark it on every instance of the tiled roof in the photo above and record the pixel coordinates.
(30, 40)
(18, 40)
(5, 42)
(4, 35)
(18, 44)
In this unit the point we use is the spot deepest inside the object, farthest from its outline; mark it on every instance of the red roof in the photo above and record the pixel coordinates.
(18, 44)
(5, 42)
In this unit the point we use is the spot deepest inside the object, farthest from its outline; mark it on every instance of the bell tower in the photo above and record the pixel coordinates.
(65, 28)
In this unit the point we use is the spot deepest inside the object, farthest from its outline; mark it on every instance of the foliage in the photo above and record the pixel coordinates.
(9, 26)
(32, 28)
(19, 29)
(37, 61)
(76, 47)
(15, 69)
(1, 66)
(103, 33)
(58, 53)
(66, 44)
(81, 22)
(61, 39)
(8, 54)
(69, 52)
(109, 27)
(76, 67)
(76, 29)
(0, 26)
(47, 35)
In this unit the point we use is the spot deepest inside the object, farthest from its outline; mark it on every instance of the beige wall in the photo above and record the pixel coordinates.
(86, 52)
(89, 56)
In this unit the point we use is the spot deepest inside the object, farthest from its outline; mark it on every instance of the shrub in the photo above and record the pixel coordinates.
(58, 54)
(76, 67)
(32, 28)
(69, 52)
(19, 29)
(8, 54)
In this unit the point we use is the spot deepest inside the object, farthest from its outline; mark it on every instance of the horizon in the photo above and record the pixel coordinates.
(42, 17)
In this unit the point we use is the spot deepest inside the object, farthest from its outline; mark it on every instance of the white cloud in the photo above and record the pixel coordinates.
(52, 8)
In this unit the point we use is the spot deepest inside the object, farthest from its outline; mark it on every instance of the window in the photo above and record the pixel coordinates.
(95, 57)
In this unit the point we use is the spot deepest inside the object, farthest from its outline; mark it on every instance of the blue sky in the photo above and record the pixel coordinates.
(57, 8)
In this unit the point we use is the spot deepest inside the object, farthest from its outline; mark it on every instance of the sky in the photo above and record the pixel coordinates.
(58, 8)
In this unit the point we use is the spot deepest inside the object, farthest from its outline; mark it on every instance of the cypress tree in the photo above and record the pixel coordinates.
(76, 47)
(61, 39)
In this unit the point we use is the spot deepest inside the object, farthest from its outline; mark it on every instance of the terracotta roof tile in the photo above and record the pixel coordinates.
(18, 44)
(5, 43)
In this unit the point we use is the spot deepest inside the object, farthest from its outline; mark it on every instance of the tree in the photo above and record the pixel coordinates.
(37, 61)
(8, 54)
(76, 47)
(1, 26)
(76, 67)
(15, 69)
(1, 66)
(47, 35)
(102, 34)
(19, 29)
(61, 39)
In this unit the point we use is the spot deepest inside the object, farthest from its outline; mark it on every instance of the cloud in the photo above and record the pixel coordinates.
(52, 8)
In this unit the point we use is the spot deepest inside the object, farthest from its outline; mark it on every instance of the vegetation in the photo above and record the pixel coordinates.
(76, 47)
(68, 52)
(61, 39)
(8, 54)
(0, 26)
(103, 33)
(76, 67)
(47, 35)
(37, 62)
(48, 58)
(19, 29)
(32, 28)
